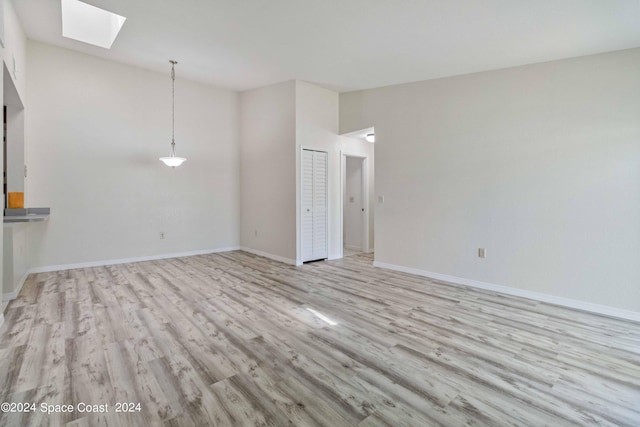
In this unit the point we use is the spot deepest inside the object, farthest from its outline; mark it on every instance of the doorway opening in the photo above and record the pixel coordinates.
(353, 217)
(355, 204)
(357, 156)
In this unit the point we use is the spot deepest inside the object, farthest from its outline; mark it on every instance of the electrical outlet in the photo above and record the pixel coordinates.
(255, 233)
(351, 199)
(381, 198)
(161, 235)
(482, 253)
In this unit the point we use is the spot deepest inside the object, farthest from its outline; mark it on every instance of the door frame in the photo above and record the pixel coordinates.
(299, 213)
(365, 197)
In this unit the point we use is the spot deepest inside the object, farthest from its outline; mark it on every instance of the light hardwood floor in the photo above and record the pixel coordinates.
(234, 339)
(349, 252)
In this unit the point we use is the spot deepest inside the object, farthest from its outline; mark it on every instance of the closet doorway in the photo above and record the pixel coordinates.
(314, 205)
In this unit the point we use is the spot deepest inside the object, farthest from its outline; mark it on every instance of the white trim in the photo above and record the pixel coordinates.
(365, 204)
(271, 256)
(13, 295)
(2, 317)
(353, 248)
(538, 296)
(60, 267)
(298, 205)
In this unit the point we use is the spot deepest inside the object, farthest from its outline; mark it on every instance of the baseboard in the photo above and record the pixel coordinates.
(61, 267)
(268, 255)
(13, 295)
(538, 296)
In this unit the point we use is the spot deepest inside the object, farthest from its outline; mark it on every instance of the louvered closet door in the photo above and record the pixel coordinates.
(320, 246)
(307, 205)
(314, 205)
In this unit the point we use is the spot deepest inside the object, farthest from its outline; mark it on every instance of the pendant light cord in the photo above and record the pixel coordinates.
(173, 107)
(172, 160)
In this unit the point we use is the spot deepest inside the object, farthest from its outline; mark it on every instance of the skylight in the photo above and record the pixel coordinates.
(90, 24)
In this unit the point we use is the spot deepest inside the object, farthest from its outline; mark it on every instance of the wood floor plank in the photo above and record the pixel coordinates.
(234, 339)
(131, 378)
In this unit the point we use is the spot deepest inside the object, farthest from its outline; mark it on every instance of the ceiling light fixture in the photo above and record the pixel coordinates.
(370, 137)
(172, 160)
(90, 24)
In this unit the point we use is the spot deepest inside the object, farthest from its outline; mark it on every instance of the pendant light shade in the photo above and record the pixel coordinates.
(172, 160)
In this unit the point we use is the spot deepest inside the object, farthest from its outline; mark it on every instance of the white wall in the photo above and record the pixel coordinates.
(94, 132)
(8, 282)
(267, 146)
(353, 203)
(19, 242)
(538, 164)
(317, 129)
(276, 123)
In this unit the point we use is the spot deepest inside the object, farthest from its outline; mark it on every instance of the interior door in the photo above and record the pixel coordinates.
(307, 205)
(314, 205)
(320, 217)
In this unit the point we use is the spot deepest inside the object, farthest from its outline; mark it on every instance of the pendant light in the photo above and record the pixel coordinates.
(172, 160)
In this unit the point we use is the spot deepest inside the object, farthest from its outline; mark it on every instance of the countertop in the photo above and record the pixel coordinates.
(26, 215)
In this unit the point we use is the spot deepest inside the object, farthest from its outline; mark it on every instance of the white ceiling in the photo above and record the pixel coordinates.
(346, 44)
